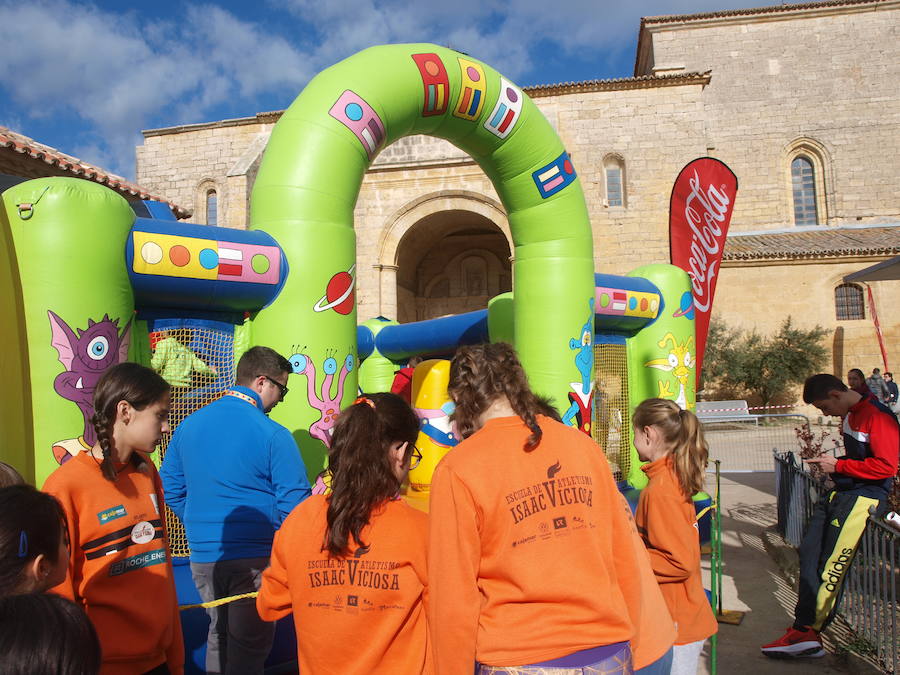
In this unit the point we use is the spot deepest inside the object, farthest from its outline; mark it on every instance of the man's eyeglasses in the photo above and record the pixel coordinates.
(415, 457)
(281, 388)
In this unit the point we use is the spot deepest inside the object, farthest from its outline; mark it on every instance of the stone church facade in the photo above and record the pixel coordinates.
(801, 101)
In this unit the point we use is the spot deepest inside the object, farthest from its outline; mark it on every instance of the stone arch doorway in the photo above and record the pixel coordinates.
(450, 262)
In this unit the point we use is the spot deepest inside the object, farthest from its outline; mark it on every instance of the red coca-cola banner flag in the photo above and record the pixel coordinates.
(699, 212)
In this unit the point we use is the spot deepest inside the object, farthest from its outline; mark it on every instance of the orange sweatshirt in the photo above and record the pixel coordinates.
(668, 525)
(362, 614)
(119, 566)
(528, 557)
(655, 633)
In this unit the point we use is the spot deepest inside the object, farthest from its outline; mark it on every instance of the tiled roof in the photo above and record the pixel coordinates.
(38, 151)
(815, 243)
(774, 9)
(618, 84)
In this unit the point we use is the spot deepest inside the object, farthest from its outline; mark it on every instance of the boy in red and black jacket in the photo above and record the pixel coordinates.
(862, 479)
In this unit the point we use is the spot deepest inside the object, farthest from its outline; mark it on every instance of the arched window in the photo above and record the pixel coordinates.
(849, 303)
(212, 216)
(614, 170)
(803, 184)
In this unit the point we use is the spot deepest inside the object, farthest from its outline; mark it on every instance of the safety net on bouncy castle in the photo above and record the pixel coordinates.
(610, 422)
(196, 357)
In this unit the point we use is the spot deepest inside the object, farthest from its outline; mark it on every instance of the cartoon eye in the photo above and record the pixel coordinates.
(298, 363)
(349, 362)
(586, 338)
(673, 360)
(98, 348)
(330, 366)
(687, 359)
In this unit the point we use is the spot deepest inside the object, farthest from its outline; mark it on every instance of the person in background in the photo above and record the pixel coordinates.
(232, 475)
(877, 385)
(856, 380)
(862, 479)
(362, 545)
(42, 634)
(34, 556)
(526, 569)
(120, 570)
(671, 440)
(893, 401)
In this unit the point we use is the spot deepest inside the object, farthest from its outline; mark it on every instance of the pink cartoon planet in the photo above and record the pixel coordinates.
(338, 293)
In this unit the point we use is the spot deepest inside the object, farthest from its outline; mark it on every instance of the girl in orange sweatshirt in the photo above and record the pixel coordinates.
(119, 567)
(531, 567)
(350, 565)
(671, 440)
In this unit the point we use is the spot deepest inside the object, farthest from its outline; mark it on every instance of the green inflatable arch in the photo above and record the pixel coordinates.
(309, 181)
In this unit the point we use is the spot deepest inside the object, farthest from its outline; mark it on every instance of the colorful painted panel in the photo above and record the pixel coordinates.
(505, 114)
(619, 302)
(359, 117)
(556, 175)
(435, 82)
(472, 90)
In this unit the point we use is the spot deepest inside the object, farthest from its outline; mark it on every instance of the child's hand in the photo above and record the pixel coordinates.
(826, 463)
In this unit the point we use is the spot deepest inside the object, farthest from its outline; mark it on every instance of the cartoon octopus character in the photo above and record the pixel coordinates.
(85, 356)
(328, 405)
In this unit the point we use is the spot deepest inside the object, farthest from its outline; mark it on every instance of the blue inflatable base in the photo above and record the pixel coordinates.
(195, 626)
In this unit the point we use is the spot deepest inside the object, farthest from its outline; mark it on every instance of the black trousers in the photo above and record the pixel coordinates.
(828, 547)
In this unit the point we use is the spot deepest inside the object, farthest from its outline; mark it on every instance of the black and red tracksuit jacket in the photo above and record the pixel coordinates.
(872, 444)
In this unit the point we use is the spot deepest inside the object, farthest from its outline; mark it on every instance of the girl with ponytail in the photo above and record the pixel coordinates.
(350, 565)
(671, 440)
(119, 570)
(528, 572)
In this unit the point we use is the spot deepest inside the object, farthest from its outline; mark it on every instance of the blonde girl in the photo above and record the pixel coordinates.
(671, 441)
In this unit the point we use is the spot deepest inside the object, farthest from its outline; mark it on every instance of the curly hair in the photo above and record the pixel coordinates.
(481, 374)
(362, 476)
(683, 436)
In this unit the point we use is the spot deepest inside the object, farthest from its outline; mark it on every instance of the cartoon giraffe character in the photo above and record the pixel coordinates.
(85, 356)
(680, 362)
(578, 414)
(328, 406)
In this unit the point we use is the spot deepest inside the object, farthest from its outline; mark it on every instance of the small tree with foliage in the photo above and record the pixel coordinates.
(746, 364)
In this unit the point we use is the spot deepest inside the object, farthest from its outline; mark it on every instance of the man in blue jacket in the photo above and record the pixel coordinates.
(232, 476)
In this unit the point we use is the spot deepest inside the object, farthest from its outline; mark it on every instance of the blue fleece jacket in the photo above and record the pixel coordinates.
(232, 475)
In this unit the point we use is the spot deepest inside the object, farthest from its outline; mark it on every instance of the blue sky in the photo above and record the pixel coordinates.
(87, 77)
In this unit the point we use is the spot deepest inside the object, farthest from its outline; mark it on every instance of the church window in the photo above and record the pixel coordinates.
(212, 215)
(848, 302)
(614, 170)
(803, 184)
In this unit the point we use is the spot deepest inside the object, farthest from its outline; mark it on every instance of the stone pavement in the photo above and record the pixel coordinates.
(757, 564)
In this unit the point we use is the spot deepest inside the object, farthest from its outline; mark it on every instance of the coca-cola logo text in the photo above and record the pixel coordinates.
(704, 212)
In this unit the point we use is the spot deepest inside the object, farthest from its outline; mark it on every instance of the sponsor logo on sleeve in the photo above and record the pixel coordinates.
(111, 514)
(137, 562)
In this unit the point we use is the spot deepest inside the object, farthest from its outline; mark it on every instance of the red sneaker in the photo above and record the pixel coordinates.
(794, 644)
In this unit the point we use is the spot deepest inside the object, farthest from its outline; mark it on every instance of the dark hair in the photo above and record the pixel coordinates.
(479, 375)
(9, 475)
(816, 387)
(876, 371)
(888, 373)
(681, 432)
(258, 361)
(361, 473)
(42, 633)
(547, 409)
(858, 372)
(31, 523)
(140, 387)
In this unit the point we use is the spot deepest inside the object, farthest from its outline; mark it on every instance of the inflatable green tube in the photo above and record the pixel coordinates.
(310, 177)
(63, 241)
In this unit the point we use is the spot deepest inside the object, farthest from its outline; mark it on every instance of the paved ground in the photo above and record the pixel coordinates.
(756, 585)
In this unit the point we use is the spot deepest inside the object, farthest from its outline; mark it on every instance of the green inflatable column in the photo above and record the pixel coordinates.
(309, 180)
(662, 356)
(72, 297)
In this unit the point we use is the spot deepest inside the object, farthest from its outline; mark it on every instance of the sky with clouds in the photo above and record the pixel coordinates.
(87, 77)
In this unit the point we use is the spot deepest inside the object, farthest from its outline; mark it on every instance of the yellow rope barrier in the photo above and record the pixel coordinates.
(219, 602)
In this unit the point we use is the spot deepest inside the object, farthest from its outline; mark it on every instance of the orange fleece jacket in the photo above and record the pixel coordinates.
(668, 525)
(119, 565)
(655, 633)
(361, 614)
(529, 555)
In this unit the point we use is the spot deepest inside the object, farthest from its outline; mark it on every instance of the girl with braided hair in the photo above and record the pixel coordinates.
(359, 550)
(671, 440)
(529, 561)
(119, 570)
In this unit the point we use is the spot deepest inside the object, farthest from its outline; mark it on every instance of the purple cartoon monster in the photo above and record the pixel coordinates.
(328, 405)
(85, 356)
